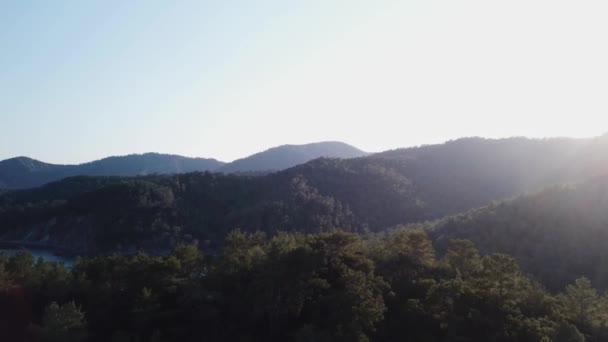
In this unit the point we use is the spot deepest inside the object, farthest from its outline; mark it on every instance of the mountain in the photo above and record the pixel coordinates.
(402, 277)
(338, 286)
(286, 156)
(557, 235)
(470, 172)
(145, 164)
(371, 193)
(23, 172)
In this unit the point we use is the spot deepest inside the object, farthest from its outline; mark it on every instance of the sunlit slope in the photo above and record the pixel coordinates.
(557, 235)
(361, 194)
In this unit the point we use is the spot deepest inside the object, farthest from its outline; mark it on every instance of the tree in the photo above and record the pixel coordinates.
(191, 260)
(568, 333)
(6, 279)
(499, 279)
(21, 264)
(581, 304)
(462, 257)
(63, 323)
(352, 304)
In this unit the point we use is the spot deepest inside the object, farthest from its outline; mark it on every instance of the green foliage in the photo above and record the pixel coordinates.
(332, 286)
(462, 257)
(556, 235)
(63, 323)
(297, 268)
(117, 214)
(583, 306)
(568, 333)
(21, 265)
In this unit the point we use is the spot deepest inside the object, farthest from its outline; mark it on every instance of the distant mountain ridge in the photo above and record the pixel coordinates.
(24, 172)
(286, 156)
(367, 194)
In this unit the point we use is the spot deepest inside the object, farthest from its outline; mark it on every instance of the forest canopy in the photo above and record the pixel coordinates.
(296, 287)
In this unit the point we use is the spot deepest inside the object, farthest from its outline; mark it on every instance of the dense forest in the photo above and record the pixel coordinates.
(97, 214)
(556, 235)
(472, 240)
(295, 287)
(182, 171)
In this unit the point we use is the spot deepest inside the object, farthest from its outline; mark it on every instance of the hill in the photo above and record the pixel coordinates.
(146, 164)
(404, 283)
(557, 235)
(23, 172)
(286, 156)
(370, 193)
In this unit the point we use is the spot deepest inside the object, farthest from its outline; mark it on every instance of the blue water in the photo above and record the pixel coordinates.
(46, 255)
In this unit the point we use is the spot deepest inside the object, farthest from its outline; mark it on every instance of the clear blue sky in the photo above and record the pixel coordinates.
(80, 80)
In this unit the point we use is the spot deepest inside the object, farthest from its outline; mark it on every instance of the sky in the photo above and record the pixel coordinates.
(81, 80)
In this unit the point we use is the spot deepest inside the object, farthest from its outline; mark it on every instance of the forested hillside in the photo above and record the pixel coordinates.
(378, 248)
(117, 223)
(22, 172)
(361, 194)
(557, 235)
(295, 287)
(470, 172)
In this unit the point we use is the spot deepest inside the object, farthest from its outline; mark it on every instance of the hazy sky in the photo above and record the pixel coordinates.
(81, 80)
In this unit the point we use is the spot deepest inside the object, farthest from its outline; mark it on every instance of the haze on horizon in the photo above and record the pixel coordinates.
(224, 79)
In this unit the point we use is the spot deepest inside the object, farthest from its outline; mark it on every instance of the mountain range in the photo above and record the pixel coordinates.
(24, 172)
(380, 190)
(541, 200)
